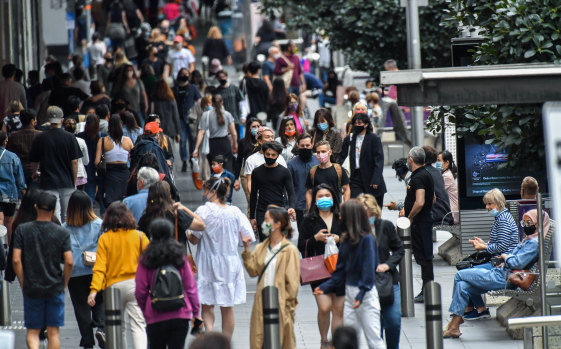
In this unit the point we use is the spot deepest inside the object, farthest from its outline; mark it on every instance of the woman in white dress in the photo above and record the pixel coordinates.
(220, 278)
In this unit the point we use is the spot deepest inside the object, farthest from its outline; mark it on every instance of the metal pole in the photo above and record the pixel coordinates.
(414, 46)
(433, 315)
(88, 13)
(5, 309)
(543, 270)
(113, 318)
(6, 313)
(406, 269)
(271, 318)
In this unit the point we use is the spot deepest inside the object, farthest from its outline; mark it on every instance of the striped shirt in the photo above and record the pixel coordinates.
(504, 235)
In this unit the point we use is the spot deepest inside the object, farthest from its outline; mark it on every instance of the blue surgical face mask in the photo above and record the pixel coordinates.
(323, 126)
(372, 220)
(494, 212)
(253, 131)
(438, 165)
(324, 203)
(208, 107)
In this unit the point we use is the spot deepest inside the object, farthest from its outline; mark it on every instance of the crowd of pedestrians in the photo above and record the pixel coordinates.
(99, 140)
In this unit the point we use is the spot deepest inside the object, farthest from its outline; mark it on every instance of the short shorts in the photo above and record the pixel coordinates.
(41, 312)
(9, 209)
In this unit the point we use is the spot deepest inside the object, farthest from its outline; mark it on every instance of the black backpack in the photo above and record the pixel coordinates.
(167, 292)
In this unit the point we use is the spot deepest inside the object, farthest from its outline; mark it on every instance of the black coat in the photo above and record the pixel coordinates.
(371, 162)
(309, 228)
(442, 205)
(388, 241)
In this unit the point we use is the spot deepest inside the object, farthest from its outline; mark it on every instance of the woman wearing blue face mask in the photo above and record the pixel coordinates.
(390, 251)
(321, 222)
(504, 234)
(324, 129)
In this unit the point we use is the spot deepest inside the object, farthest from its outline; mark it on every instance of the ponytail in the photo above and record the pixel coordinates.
(221, 185)
(217, 104)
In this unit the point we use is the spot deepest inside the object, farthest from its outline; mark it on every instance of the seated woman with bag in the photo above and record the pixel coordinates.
(470, 283)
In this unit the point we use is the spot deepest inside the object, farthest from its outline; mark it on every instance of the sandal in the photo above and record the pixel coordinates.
(452, 334)
(325, 344)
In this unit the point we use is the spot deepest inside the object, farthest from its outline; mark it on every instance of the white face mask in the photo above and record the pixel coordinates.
(266, 228)
(130, 74)
(276, 56)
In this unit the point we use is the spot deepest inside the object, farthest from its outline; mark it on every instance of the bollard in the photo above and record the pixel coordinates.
(5, 309)
(113, 318)
(406, 269)
(433, 315)
(271, 318)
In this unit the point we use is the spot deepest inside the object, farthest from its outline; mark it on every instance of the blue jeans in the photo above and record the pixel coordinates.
(470, 284)
(323, 98)
(186, 135)
(391, 320)
(477, 302)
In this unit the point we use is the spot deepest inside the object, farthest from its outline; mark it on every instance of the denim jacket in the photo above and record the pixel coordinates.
(523, 255)
(87, 236)
(12, 181)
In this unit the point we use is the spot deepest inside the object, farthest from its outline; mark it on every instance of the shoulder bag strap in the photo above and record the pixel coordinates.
(269, 262)
(313, 173)
(339, 171)
(102, 146)
(76, 238)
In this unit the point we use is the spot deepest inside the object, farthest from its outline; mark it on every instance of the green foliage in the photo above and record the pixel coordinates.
(368, 32)
(515, 31)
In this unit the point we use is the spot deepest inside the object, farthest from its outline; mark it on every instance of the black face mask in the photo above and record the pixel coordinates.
(183, 78)
(223, 82)
(270, 161)
(529, 230)
(305, 154)
(358, 129)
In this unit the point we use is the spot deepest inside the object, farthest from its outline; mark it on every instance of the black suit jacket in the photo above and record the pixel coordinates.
(371, 162)
(388, 241)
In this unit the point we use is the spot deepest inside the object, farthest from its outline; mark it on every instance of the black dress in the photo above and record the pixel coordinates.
(310, 227)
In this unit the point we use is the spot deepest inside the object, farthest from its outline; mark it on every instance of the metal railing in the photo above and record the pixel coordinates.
(526, 323)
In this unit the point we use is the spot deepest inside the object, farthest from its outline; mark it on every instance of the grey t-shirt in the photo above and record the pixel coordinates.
(209, 121)
(42, 245)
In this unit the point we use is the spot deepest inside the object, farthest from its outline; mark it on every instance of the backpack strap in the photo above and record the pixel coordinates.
(339, 171)
(313, 173)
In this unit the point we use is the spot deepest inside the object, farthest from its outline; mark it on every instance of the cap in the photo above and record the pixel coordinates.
(55, 114)
(215, 66)
(178, 38)
(152, 128)
(219, 159)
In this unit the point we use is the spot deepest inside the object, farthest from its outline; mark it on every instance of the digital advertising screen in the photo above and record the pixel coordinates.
(481, 167)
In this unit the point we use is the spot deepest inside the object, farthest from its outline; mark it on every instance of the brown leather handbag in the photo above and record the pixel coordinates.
(522, 278)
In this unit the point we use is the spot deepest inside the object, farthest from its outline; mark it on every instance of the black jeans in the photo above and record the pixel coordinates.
(86, 316)
(299, 217)
(170, 333)
(421, 238)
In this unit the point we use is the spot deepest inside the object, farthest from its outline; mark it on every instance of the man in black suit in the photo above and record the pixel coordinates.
(366, 159)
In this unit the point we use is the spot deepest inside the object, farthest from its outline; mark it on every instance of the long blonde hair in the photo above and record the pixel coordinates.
(214, 32)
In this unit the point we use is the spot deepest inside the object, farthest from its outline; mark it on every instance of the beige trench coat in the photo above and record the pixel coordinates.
(287, 280)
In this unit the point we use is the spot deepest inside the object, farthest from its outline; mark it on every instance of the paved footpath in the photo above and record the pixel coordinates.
(478, 335)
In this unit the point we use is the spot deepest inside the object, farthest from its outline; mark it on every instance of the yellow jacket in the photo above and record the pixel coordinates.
(117, 257)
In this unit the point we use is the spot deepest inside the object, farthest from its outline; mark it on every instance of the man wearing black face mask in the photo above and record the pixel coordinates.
(186, 95)
(269, 184)
(231, 96)
(299, 168)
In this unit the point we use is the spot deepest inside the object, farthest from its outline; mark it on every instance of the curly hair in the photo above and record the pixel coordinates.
(118, 216)
(163, 249)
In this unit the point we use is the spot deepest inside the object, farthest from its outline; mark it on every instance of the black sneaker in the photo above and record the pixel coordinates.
(184, 166)
(100, 336)
(420, 298)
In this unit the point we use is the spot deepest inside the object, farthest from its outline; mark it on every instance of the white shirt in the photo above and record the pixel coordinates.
(359, 140)
(179, 59)
(258, 159)
(269, 277)
(97, 51)
(287, 150)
